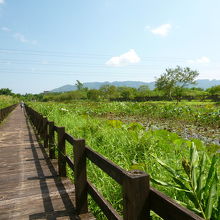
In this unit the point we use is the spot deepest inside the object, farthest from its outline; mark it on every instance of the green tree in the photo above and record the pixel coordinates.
(79, 85)
(174, 80)
(109, 91)
(94, 94)
(143, 91)
(127, 92)
(214, 90)
(5, 91)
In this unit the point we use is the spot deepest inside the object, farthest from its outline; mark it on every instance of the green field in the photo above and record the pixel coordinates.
(132, 145)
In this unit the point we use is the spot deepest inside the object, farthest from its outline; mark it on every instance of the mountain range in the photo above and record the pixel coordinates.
(201, 83)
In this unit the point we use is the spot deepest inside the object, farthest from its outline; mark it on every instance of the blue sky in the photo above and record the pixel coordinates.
(45, 44)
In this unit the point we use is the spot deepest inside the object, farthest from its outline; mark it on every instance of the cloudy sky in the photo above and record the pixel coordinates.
(45, 44)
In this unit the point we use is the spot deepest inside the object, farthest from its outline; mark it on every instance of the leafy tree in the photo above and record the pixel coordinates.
(79, 85)
(109, 91)
(174, 80)
(143, 90)
(214, 90)
(94, 94)
(5, 91)
(127, 92)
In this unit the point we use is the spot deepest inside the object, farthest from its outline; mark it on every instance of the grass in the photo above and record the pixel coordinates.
(128, 145)
(7, 101)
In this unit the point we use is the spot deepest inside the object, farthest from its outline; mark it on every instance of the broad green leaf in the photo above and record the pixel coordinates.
(180, 183)
(212, 197)
(194, 158)
(194, 177)
(169, 169)
(159, 182)
(200, 181)
(189, 207)
(211, 171)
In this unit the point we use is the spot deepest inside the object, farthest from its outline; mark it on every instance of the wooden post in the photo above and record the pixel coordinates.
(136, 196)
(45, 132)
(39, 117)
(61, 151)
(42, 126)
(51, 140)
(80, 178)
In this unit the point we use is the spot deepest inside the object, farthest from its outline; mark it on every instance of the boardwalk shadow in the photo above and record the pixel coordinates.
(49, 212)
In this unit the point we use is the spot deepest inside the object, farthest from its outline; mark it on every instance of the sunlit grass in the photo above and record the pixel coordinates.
(128, 145)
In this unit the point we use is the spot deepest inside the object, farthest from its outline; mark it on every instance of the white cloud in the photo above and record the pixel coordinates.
(2, 1)
(5, 28)
(201, 60)
(130, 57)
(162, 30)
(20, 37)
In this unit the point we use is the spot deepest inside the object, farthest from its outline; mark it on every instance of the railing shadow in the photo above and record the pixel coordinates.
(49, 212)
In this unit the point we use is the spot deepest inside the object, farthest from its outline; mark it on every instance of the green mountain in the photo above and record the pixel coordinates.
(201, 83)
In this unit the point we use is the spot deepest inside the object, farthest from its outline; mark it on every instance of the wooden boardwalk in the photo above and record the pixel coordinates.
(30, 187)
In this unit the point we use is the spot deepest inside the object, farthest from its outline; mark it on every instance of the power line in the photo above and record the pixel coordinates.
(88, 55)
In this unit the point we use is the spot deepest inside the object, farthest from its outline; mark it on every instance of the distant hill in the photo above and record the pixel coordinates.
(201, 83)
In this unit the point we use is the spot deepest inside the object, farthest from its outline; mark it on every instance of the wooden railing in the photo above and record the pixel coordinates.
(5, 111)
(138, 197)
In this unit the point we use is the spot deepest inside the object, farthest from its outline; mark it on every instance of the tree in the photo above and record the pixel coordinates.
(127, 92)
(94, 94)
(214, 90)
(109, 91)
(143, 91)
(79, 85)
(5, 91)
(174, 80)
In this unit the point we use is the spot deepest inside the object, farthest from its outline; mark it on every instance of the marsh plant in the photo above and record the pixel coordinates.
(199, 183)
(130, 145)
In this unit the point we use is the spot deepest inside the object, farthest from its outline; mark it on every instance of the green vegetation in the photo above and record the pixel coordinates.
(174, 80)
(131, 146)
(6, 100)
(200, 187)
(198, 113)
(165, 91)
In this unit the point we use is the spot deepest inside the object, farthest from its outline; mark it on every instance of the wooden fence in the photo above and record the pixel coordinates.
(138, 197)
(5, 111)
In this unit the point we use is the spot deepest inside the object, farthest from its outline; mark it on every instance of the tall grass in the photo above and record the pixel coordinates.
(7, 101)
(128, 145)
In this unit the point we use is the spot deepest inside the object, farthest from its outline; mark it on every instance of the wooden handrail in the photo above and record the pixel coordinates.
(114, 171)
(138, 197)
(167, 208)
(5, 111)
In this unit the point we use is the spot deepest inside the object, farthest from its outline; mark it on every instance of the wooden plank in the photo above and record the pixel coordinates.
(114, 171)
(136, 196)
(168, 209)
(69, 162)
(30, 187)
(45, 132)
(80, 177)
(103, 204)
(61, 151)
(70, 139)
(55, 128)
(51, 140)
